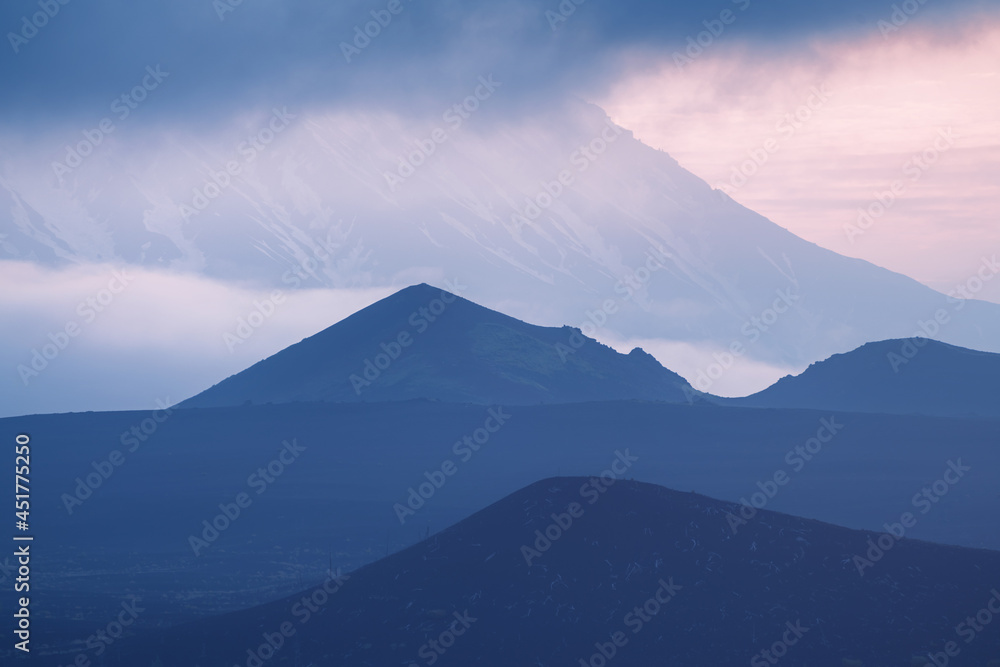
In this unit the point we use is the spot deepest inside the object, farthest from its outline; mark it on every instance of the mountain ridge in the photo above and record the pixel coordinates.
(426, 342)
(572, 558)
(452, 218)
(901, 376)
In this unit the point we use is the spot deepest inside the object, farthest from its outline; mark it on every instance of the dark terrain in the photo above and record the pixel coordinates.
(424, 342)
(909, 376)
(710, 597)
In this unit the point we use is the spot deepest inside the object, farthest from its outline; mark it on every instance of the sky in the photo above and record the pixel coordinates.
(816, 139)
(875, 86)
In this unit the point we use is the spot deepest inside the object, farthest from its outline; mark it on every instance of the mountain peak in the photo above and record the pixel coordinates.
(428, 342)
(901, 376)
(642, 355)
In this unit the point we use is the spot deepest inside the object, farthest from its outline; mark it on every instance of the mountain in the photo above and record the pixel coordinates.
(120, 495)
(575, 571)
(908, 376)
(428, 343)
(678, 260)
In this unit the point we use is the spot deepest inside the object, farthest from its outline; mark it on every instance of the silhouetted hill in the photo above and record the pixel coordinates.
(423, 342)
(661, 573)
(116, 531)
(908, 376)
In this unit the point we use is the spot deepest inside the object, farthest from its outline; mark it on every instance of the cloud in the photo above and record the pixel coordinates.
(266, 52)
(917, 109)
(223, 72)
(708, 367)
(120, 337)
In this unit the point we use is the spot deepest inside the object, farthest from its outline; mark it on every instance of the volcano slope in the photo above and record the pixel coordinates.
(578, 571)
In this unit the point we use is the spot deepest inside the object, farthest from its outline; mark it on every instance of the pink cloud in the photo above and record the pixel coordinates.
(885, 103)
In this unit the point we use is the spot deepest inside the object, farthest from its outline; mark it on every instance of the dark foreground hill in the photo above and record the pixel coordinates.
(424, 342)
(909, 376)
(111, 532)
(577, 571)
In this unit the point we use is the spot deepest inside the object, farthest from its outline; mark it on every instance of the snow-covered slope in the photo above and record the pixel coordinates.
(630, 245)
